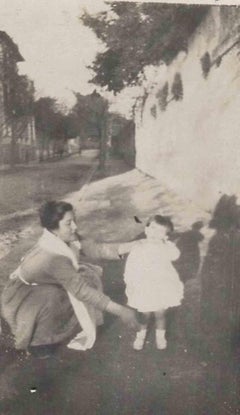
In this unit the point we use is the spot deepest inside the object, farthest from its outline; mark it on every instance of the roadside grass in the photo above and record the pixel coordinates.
(26, 188)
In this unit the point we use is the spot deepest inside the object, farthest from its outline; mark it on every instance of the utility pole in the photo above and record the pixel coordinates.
(13, 144)
(103, 138)
(103, 146)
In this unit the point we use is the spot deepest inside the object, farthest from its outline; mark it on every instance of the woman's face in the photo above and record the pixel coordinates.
(67, 228)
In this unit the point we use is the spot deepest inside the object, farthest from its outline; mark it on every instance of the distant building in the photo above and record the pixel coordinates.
(74, 145)
(21, 129)
(25, 132)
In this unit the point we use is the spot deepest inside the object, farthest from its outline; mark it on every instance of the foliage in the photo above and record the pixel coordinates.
(89, 115)
(154, 111)
(45, 115)
(19, 101)
(206, 64)
(177, 87)
(22, 96)
(162, 97)
(140, 103)
(50, 122)
(139, 34)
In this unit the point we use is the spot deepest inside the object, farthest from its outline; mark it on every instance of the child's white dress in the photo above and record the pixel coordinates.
(152, 282)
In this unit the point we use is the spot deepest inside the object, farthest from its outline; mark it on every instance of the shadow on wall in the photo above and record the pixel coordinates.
(220, 279)
(188, 243)
(220, 309)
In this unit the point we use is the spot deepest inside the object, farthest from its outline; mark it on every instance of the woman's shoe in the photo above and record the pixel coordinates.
(43, 352)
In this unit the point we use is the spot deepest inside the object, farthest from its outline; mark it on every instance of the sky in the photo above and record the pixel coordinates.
(55, 45)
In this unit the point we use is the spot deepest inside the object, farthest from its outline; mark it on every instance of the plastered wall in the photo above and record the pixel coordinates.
(194, 145)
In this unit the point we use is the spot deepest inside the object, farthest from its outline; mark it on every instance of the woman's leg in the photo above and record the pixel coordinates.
(143, 319)
(160, 322)
(55, 321)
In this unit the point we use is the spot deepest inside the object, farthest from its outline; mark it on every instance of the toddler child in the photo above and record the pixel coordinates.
(152, 282)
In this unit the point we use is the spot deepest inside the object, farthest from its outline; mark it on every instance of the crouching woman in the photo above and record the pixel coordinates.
(52, 298)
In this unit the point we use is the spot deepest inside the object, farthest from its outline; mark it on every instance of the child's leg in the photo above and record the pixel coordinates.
(143, 319)
(160, 322)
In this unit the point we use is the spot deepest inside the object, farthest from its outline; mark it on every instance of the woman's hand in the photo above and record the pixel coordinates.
(127, 315)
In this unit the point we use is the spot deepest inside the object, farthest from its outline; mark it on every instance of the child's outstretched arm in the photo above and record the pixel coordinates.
(125, 247)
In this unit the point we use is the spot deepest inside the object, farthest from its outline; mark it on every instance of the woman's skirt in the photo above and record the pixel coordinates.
(38, 315)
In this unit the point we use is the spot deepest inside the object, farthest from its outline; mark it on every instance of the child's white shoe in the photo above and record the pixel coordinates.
(161, 341)
(139, 340)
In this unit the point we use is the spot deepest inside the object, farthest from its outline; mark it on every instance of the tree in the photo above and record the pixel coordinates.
(90, 117)
(69, 126)
(46, 119)
(53, 125)
(139, 34)
(22, 96)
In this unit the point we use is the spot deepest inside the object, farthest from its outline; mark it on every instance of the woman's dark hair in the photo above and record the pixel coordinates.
(51, 213)
(162, 220)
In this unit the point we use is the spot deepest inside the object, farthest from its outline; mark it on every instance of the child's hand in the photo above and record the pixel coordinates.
(165, 240)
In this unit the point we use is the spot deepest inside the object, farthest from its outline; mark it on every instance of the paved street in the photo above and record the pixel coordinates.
(112, 378)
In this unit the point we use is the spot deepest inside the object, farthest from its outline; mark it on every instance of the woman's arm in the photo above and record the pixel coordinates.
(109, 250)
(99, 250)
(72, 281)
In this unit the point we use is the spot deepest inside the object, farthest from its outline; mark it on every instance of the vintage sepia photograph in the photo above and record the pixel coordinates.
(119, 207)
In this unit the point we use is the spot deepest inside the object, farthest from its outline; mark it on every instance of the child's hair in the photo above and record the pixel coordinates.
(162, 220)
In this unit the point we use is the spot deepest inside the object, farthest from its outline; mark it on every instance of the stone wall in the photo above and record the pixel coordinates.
(193, 146)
